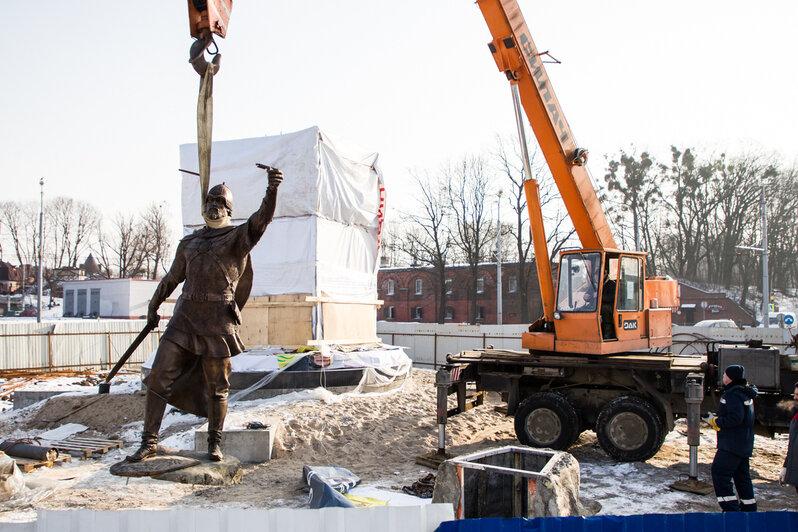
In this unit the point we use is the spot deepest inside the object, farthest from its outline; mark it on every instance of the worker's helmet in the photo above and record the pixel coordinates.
(225, 193)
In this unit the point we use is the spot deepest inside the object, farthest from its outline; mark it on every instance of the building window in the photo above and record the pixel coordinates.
(418, 313)
(449, 313)
(480, 313)
(69, 303)
(512, 284)
(449, 286)
(418, 287)
(390, 313)
(480, 285)
(390, 288)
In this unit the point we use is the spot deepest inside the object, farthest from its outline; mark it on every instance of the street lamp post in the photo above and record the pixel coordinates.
(41, 240)
(499, 259)
(764, 252)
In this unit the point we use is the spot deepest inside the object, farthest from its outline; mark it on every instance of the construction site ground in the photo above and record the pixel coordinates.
(375, 436)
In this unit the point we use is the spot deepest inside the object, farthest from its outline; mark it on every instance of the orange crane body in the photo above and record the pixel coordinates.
(634, 312)
(211, 14)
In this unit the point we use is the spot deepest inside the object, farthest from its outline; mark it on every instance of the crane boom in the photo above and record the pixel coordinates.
(516, 55)
(603, 303)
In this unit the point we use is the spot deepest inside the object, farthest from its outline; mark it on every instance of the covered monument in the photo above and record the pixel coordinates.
(315, 269)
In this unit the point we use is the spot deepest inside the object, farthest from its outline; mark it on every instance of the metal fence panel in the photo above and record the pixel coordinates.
(428, 343)
(71, 344)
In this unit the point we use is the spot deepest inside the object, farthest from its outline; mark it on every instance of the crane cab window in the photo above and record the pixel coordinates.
(577, 287)
(630, 284)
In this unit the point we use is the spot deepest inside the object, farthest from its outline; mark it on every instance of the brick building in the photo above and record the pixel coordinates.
(698, 305)
(412, 294)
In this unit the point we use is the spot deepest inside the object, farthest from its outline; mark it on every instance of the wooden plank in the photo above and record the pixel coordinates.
(290, 325)
(346, 341)
(344, 301)
(343, 321)
(271, 304)
(26, 465)
(254, 328)
(101, 441)
(283, 319)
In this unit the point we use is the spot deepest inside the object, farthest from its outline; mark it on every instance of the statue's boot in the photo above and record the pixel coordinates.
(217, 410)
(153, 415)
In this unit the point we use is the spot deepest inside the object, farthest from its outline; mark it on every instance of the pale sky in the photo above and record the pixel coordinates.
(96, 96)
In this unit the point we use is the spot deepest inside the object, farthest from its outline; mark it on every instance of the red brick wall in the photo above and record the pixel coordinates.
(405, 300)
(718, 306)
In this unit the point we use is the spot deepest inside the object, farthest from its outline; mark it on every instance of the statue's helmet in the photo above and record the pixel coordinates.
(221, 191)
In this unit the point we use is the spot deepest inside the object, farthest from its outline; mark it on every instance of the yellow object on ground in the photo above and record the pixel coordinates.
(365, 502)
(713, 422)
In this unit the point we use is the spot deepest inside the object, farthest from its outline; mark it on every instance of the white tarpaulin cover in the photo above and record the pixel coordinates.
(325, 235)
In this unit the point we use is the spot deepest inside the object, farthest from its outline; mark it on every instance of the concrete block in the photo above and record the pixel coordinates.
(248, 445)
(25, 398)
(511, 481)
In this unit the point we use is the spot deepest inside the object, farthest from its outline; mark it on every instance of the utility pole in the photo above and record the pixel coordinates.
(764, 252)
(499, 258)
(41, 241)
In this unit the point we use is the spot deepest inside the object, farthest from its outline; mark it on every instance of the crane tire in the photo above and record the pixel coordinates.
(630, 429)
(547, 419)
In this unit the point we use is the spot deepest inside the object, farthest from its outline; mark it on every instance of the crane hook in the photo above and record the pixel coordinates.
(197, 53)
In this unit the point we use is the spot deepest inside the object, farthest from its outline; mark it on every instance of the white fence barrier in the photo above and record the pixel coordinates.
(427, 344)
(98, 344)
(71, 344)
(425, 518)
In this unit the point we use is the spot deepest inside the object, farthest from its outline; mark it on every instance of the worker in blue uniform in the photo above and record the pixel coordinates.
(735, 425)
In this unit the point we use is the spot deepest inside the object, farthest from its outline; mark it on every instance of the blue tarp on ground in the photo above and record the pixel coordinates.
(691, 522)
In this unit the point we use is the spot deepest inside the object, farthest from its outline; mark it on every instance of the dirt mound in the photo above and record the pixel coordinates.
(104, 414)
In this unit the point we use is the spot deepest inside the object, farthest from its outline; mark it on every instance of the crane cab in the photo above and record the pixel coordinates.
(604, 305)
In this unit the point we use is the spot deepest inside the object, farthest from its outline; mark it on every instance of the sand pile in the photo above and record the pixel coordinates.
(103, 414)
(376, 437)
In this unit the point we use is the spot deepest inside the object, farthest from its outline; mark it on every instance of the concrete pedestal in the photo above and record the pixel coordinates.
(511, 481)
(248, 445)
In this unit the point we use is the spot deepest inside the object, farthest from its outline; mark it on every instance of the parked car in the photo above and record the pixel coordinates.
(716, 323)
(29, 312)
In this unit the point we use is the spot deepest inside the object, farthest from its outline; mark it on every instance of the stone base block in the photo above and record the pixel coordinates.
(511, 481)
(187, 467)
(248, 445)
(25, 398)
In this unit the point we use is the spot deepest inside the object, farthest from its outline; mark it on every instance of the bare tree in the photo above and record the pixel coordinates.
(429, 239)
(72, 223)
(122, 251)
(559, 230)
(782, 201)
(468, 186)
(738, 202)
(690, 205)
(21, 228)
(156, 238)
(633, 182)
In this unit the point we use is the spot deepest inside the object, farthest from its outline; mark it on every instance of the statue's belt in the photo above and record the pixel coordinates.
(227, 298)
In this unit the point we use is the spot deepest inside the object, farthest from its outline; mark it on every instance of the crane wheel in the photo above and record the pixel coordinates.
(630, 429)
(547, 419)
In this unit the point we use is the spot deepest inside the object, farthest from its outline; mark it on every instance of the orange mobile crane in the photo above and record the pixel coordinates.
(603, 304)
(588, 364)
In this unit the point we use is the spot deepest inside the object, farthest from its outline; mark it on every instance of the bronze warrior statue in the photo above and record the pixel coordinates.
(192, 365)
